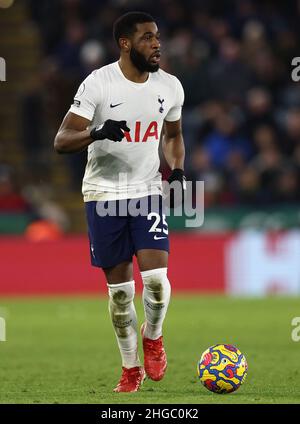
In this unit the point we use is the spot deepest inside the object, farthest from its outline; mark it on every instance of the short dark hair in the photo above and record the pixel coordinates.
(125, 25)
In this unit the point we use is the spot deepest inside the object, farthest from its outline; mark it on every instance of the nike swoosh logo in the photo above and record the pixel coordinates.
(118, 104)
(158, 238)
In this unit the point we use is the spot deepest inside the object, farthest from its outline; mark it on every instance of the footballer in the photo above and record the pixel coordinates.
(118, 114)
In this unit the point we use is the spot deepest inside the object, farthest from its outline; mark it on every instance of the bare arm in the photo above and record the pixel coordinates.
(173, 144)
(72, 135)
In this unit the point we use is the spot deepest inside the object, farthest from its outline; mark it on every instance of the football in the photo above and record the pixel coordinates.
(222, 368)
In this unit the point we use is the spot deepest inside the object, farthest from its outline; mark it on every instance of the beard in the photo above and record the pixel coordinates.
(141, 63)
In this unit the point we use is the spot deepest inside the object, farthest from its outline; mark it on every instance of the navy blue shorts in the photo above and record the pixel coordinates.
(117, 236)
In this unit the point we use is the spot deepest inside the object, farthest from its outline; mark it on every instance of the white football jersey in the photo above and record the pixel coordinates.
(126, 169)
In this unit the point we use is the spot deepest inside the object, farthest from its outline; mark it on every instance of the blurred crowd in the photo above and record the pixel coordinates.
(241, 117)
(45, 219)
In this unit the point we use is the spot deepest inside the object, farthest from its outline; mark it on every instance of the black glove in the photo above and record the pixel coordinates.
(177, 175)
(111, 130)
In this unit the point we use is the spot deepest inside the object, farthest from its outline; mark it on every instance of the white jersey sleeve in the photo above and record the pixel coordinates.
(174, 113)
(87, 98)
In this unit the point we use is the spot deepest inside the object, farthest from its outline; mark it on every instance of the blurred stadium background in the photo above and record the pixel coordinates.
(241, 124)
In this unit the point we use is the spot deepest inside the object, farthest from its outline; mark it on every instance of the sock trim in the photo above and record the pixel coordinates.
(154, 271)
(111, 286)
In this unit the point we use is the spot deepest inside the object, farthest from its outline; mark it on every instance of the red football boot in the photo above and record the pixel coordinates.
(155, 358)
(131, 379)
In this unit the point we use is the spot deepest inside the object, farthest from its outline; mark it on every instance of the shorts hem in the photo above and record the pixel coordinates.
(119, 261)
(166, 249)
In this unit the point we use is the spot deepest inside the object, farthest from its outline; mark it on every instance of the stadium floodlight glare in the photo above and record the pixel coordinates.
(5, 4)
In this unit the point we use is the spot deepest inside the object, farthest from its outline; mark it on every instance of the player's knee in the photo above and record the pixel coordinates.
(122, 294)
(157, 284)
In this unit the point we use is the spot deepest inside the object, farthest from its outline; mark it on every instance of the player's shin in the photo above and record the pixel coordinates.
(123, 316)
(156, 297)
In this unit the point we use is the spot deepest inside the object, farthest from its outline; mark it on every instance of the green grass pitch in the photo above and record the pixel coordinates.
(63, 350)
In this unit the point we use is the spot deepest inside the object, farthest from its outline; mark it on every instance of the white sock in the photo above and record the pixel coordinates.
(156, 297)
(123, 316)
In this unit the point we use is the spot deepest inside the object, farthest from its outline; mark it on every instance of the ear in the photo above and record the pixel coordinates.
(124, 44)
